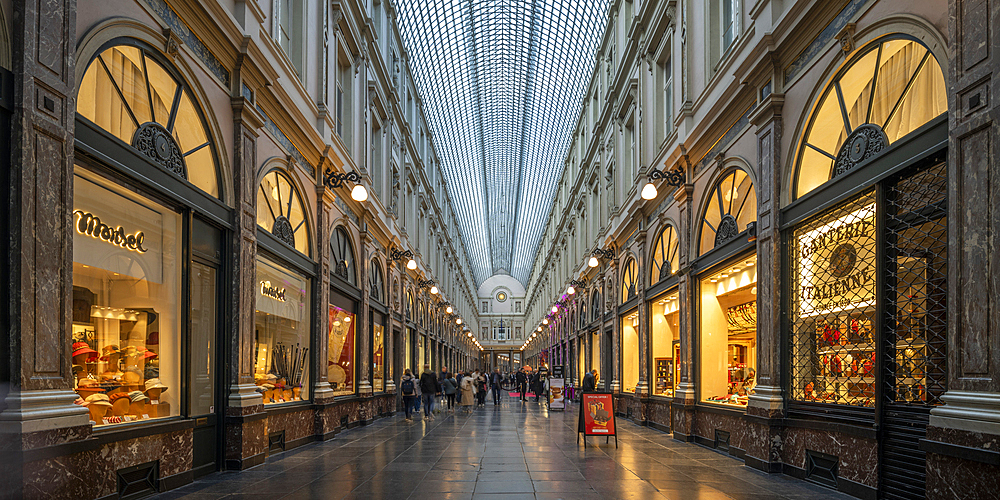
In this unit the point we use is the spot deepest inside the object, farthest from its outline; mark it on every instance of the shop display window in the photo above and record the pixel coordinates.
(378, 352)
(340, 351)
(581, 361)
(595, 352)
(665, 333)
(421, 354)
(281, 338)
(126, 303)
(630, 351)
(729, 333)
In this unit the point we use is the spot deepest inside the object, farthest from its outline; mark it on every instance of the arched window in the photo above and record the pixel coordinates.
(887, 91)
(280, 211)
(582, 314)
(409, 305)
(628, 281)
(343, 255)
(129, 92)
(666, 258)
(376, 283)
(420, 314)
(732, 204)
(595, 304)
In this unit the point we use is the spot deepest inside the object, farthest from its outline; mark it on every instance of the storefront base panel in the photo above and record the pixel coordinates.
(93, 473)
(682, 421)
(962, 465)
(289, 429)
(856, 457)
(246, 438)
(658, 414)
(845, 486)
(630, 407)
(721, 428)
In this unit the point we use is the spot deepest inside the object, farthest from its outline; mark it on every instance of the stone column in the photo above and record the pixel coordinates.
(363, 329)
(682, 408)
(322, 392)
(645, 318)
(37, 407)
(964, 434)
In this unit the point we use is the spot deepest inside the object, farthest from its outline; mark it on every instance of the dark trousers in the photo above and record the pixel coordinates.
(428, 401)
(496, 395)
(451, 400)
(408, 403)
(522, 389)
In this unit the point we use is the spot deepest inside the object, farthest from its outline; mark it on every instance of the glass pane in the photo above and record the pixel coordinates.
(925, 100)
(100, 103)
(814, 169)
(713, 215)
(855, 85)
(126, 349)
(744, 201)
(665, 331)
(267, 201)
(900, 59)
(188, 127)
(378, 355)
(125, 65)
(201, 171)
(728, 345)
(827, 132)
(203, 328)
(281, 341)
(630, 352)
(163, 88)
(340, 351)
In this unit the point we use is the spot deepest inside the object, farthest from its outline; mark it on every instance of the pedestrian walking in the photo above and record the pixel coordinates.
(496, 385)
(468, 393)
(408, 388)
(459, 378)
(428, 389)
(533, 386)
(482, 387)
(450, 386)
(589, 382)
(521, 380)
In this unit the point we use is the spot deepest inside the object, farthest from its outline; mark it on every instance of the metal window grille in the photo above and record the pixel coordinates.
(916, 276)
(834, 305)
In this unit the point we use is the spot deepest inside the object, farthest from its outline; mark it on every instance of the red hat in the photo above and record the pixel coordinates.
(84, 348)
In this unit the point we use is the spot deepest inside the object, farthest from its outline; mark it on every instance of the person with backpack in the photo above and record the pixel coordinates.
(408, 388)
(450, 386)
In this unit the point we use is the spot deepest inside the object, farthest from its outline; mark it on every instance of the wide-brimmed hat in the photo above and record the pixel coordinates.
(97, 399)
(88, 385)
(84, 348)
(146, 353)
(109, 349)
(137, 396)
(154, 383)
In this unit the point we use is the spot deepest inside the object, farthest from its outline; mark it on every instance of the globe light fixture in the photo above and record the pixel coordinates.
(545, 321)
(434, 291)
(593, 262)
(649, 191)
(411, 264)
(555, 309)
(359, 193)
(571, 290)
(448, 310)
(458, 321)
(673, 178)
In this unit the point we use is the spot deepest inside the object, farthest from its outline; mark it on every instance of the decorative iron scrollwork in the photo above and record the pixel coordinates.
(155, 142)
(283, 230)
(728, 230)
(866, 141)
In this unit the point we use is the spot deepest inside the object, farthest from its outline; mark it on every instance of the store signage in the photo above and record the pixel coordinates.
(557, 394)
(598, 414)
(91, 225)
(837, 264)
(272, 292)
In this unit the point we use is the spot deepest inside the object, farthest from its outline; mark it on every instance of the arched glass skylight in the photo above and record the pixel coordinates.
(502, 82)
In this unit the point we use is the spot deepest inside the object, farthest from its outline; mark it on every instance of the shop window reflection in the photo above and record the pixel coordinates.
(665, 334)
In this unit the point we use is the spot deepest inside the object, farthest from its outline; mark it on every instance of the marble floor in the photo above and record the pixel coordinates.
(514, 451)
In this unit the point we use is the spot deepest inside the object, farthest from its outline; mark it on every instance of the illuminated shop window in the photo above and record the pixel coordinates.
(126, 346)
(732, 204)
(378, 351)
(340, 351)
(888, 90)
(129, 93)
(630, 351)
(729, 333)
(281, 334)
(280, 211)
(665, 340)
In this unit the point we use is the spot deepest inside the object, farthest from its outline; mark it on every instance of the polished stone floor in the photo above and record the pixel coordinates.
(518, 450)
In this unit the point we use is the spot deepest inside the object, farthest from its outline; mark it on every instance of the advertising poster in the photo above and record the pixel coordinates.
(557, 396)
(598, 415)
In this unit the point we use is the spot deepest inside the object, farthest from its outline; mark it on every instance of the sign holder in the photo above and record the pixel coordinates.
(597, 417)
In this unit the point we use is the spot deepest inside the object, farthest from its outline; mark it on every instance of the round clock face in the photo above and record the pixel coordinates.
(501, 297)
(842, 260)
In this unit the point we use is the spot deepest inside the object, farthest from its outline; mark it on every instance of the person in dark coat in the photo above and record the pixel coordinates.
(590, 381)
(428, 389)
(496, 381)
(533, 387)
(522, 381)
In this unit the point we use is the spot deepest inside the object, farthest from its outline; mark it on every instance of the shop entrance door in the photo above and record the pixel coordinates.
(914, 323)
(204, 351)
(607, 360)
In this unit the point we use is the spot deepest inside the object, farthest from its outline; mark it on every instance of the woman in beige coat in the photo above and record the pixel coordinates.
(468, 392)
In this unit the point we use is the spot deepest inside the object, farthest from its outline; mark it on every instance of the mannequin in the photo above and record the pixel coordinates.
(98, 406)
(137, 404)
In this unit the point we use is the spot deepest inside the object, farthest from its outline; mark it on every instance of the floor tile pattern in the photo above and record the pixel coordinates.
(514, 451)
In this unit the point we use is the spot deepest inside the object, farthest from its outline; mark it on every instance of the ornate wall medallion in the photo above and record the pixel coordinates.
(283, 230)
(866, 141)
(155, 142)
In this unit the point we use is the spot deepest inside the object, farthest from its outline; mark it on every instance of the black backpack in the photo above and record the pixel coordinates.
(407, 387)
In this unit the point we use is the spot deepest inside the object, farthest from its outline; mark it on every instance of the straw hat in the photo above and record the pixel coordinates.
(97, 399)
(84, 348)
(154, 383)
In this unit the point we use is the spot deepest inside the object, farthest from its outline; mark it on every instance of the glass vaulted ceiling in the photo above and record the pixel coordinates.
(502, 83)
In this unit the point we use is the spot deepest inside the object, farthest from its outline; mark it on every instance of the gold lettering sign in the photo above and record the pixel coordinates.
(836, 264)
(91, 225)
(272, 292)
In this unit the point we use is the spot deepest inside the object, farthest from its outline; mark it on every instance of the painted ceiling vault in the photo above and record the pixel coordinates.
(502, 83)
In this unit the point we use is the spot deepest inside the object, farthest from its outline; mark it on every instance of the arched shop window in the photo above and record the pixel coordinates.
(595, 304)
(732, 204)
(280, 211)
(131, 93)
(376, 283)
(581, 314)
(666, 258)
(628, 281)
(409, 305)
(420, 314)
(889, 89)
(343, 255)
(844, 319)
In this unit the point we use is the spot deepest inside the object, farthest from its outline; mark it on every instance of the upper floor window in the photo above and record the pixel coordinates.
(376, 283)
(343, 255)
(128, 92)
(288, 29)
(724, 27)
(280, 211)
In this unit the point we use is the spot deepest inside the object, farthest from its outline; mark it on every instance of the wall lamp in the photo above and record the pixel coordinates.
(574, 283)
(675, 178)
(397, 255)
(428, 283)
(334, 180)
(607, 253)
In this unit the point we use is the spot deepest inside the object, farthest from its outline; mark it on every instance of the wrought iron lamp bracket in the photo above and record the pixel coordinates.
(674, 178)
(334, 180)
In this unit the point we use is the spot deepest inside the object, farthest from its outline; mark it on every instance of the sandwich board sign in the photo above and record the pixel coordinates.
(597, 416)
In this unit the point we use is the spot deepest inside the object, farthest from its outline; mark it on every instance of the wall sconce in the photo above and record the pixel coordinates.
(428, 283)
(608, 253)
(574, 283)
(334, 180)
(399, 256)
(674, 178)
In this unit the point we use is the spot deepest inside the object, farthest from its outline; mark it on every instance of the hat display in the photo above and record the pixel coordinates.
(118, 395)
(97, 399)
(88, 385)
(108, 350)
(137, 396)
(84, 348)
(154, 383)
(146, 353)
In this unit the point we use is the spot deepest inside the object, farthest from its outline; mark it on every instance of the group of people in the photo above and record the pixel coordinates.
(468, 390)
(527, 380)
